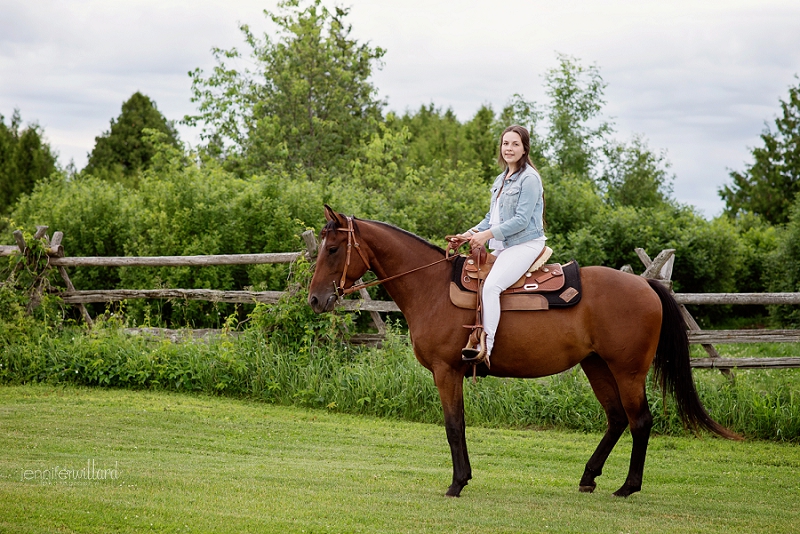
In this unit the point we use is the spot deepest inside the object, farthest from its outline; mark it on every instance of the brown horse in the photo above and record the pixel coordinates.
(620, 326)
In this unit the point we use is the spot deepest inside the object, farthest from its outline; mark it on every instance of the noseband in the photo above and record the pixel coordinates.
(352, 242)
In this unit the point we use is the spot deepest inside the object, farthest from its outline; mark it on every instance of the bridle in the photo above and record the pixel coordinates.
(353, 243)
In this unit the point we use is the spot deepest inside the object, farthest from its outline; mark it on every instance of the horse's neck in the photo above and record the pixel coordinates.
(395, 253)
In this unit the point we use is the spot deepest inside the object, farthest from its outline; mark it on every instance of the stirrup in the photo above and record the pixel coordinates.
(475, 355)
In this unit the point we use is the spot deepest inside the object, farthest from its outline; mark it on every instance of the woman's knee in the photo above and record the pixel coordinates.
(492, 290)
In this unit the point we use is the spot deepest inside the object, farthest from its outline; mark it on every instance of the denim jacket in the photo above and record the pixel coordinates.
(521, 206)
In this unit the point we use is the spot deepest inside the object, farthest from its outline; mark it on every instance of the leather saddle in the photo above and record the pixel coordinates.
(541, 287)
(538, 278)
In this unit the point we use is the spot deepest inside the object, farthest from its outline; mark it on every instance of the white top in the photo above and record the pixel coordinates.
(494, 220)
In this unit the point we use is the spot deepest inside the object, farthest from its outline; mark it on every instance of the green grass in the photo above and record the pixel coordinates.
(192, 463)
(386, 382)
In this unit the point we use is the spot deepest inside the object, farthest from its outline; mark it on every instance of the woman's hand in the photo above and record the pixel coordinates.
(480, 239)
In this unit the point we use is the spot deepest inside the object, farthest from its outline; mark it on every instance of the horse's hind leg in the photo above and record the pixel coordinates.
(634, 398)
(605, 388)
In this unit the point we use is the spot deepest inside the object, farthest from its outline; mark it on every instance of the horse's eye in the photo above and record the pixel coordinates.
(332, 250)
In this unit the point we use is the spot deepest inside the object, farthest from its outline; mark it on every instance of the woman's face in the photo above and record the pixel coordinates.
(511, 148)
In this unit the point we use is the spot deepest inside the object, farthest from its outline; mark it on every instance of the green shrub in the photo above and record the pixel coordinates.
(783, 272)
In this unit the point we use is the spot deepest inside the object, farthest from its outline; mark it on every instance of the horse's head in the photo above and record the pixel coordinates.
(340, 262)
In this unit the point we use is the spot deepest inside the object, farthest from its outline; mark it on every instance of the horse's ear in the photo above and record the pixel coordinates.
(331, 215)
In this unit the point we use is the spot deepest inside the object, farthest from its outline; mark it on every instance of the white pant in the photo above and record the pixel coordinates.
(510, 265)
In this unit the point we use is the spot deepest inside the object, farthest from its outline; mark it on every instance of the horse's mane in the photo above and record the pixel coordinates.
(332, 225)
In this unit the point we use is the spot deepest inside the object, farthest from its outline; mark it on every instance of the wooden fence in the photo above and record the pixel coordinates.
(659, 268)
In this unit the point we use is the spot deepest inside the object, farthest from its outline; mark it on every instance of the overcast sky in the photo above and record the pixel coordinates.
(699, 80)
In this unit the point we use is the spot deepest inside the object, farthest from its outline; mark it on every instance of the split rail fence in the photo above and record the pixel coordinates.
(659, 268)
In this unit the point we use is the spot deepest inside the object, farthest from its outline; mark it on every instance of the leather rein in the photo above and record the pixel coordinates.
(353, 243)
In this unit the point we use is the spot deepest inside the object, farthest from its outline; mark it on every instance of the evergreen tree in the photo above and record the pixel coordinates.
(25, 158)
(122, 152)
(769, 186)
(483, 143)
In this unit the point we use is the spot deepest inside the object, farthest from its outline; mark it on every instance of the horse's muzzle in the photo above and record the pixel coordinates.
(322, 304)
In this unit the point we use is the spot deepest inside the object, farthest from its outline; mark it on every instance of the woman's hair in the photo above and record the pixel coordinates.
(526, 145)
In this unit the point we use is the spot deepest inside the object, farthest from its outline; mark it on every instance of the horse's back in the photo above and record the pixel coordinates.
(618, 317)
(625, 313)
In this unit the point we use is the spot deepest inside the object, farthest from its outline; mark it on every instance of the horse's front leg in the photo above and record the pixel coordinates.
(450, 383)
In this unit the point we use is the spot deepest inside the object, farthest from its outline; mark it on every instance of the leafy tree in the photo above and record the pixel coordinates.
(770, 184)
(25, 158)
(576, 100)
(783, 269)
(760, 240)
(438, 137)
(123, 152)
(434, 135)
(431, 200)
(306, 102)
(633, 175)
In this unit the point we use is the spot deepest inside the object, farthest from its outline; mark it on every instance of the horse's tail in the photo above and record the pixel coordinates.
(672, 370)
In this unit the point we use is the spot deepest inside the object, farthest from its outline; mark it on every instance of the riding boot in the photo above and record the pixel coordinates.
(475, 351)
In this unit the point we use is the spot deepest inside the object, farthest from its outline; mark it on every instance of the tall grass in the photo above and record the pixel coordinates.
(382, 382)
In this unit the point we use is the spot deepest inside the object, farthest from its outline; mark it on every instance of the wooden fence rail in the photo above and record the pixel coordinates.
(659, 268)
(176, 261)
(211, 295)
(737, 298)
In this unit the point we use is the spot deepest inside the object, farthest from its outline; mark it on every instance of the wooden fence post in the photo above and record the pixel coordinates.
(376, 316)
(310, 240)
(23, 248)
(55, 245)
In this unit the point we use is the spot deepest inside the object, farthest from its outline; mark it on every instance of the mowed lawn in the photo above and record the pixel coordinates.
(176, 463)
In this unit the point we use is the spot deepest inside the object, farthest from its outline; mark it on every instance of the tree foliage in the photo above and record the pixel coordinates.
(123, 152)
(306, 100)
(769, 185)
(783, 269)
(576, 130)
(633, 175)
(25, 158)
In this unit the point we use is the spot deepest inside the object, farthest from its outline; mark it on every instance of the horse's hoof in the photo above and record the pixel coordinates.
(626, 490)
(454, 492)
(586, 489)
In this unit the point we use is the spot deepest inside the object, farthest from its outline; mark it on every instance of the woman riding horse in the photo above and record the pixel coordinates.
(513, 228)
